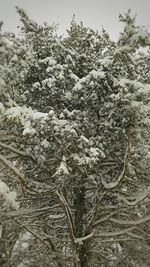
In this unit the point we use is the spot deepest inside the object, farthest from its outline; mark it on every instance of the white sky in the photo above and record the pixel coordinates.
(93, 13)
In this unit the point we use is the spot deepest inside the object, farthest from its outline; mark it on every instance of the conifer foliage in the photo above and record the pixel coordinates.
(75, 148)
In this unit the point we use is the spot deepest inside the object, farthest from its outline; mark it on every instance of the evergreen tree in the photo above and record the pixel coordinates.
(78, 129)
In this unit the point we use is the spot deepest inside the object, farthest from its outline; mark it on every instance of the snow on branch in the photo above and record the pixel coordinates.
(21, 153)
(81, 239)
(70, 224)
(129, 222)
(62, 169)
(135, 236)
(116, 233)
(49, 243)
(67, 213)
(20, 176)
(119, 178)
(17, 151)
(138, 199)
(8, 196)
(26, 213)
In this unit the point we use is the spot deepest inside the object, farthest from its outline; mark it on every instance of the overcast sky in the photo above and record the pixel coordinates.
(93, 13)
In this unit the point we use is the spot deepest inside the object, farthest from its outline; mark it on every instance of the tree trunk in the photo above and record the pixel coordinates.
(80, 222)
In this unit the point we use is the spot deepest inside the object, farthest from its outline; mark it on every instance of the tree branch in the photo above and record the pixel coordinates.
(119, 178)
(138, 199)
(128, 222)
(20, 176)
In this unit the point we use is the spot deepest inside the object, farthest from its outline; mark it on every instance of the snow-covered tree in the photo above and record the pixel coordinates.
(78, 144)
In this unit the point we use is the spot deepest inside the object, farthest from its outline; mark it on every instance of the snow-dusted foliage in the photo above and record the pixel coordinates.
(7, 197)
(75, 124)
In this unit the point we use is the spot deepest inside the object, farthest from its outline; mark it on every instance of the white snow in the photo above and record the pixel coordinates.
(24, 115)
(144, 89)
(141, 34)
(2, 109)
(8, 196)
(0, 231)
(29, 130)
(94, 151)
(74, 77)
(45, 143)
(84, 139)
(36, 85)
(49, 60)
(62, 169)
